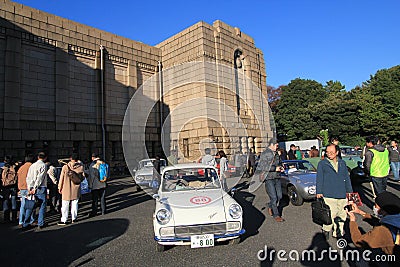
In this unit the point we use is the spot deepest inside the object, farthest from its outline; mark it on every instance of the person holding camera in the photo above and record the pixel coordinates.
(385, 236)
(333, 182)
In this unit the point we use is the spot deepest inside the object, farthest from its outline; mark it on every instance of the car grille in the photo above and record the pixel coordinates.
(184, 231)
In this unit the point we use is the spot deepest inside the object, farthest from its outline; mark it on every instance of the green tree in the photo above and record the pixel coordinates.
(379, 104)
(292, 115)
(337, 112)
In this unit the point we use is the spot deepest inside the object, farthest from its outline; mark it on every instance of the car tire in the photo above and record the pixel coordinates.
(160, 248)
(295, 198)
(234, 241)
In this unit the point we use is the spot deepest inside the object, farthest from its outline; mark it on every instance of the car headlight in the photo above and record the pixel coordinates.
(235, 211)
(233, 226)
(139, 178)
(312, 190)
(163, 216)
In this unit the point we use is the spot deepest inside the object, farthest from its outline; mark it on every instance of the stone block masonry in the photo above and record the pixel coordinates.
(50, 86)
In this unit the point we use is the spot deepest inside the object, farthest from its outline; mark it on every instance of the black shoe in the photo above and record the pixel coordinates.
(91, 215)
(26, 228)
(326, 234)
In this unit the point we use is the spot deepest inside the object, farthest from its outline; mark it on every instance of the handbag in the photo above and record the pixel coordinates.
(321, 213)
(75, 177)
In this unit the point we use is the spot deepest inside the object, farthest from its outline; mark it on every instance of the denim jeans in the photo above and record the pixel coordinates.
(274, 191)
(22, 210)
(395, 169)
(10, 197)
(379, 184)
(41, 195)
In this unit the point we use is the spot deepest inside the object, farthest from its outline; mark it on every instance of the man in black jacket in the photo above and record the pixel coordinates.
(270, 166)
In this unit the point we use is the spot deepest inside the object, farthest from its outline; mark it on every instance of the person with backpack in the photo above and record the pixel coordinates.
(385, 236)
(9, 179)
(69, 188)
(36, 181)
(97, 184)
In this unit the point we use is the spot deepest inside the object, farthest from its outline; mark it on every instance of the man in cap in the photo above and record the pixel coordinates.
(386, 236)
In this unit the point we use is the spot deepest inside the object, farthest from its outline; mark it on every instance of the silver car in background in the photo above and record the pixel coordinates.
(144, 172)
(299, 181)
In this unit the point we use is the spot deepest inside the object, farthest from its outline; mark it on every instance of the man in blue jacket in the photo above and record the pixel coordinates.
(333, 182)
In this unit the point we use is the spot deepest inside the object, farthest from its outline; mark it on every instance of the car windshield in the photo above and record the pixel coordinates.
(149, 163)
(299, 166)
(190, 179)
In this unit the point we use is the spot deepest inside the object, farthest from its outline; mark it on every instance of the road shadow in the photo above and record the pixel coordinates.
(58, 246)
(267, 256)
(365, 192)
(393, 184)
(252, 217)
(319, 253)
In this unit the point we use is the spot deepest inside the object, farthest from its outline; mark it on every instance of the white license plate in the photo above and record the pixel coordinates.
(202, 241)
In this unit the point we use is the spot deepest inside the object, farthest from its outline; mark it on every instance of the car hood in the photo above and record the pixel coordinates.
(307, 178)
(196, 206)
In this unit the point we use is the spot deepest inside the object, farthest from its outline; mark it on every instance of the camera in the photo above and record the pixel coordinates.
(348, 207)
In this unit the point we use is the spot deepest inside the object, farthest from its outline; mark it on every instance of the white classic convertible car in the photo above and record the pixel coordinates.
(193, 209)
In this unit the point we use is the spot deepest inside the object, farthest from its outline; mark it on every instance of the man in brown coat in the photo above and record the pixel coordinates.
(23, 190)
(69, 191)
(386, 236)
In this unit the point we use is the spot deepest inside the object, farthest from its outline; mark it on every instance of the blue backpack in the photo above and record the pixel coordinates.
(104, 172)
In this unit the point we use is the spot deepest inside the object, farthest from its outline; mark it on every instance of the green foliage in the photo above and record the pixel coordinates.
(379, 104)
(305, 108)
(292, 114)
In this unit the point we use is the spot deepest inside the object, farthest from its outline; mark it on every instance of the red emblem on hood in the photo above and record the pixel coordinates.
(200, 200)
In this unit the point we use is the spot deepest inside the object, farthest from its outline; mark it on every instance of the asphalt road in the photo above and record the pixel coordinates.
(124, 236)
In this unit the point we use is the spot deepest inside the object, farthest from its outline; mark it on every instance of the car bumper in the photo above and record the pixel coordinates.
(304, 192)
(176, 241)
(144, 183)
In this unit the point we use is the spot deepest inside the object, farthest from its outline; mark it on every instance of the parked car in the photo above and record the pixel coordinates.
(351, 156)
(193, 209)
(299, 181)
(144, 173)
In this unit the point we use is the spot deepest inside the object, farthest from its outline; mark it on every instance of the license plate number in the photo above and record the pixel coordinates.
(202, 241)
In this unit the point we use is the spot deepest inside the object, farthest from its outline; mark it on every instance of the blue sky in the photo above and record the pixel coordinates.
(343, 40)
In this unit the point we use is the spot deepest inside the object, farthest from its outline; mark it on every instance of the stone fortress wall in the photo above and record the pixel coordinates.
(52, 79)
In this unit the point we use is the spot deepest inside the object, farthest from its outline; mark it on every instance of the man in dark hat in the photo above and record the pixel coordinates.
(386, 236)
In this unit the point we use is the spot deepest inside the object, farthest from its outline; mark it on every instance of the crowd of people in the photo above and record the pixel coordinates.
(334, 186)
(40, 184)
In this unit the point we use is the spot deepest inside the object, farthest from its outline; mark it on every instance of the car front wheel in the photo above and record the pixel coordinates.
(294, 196)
